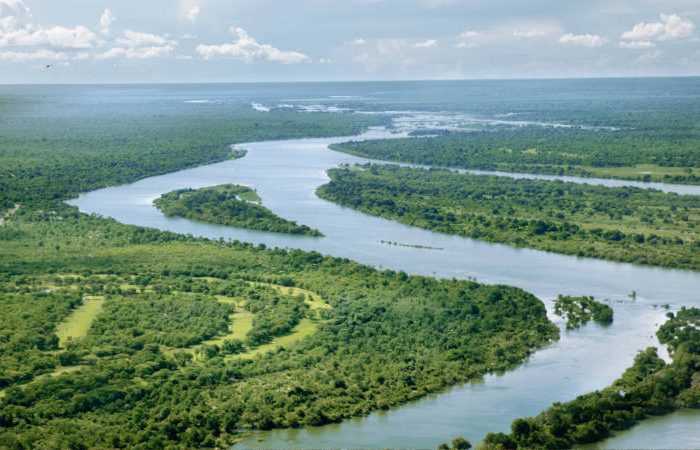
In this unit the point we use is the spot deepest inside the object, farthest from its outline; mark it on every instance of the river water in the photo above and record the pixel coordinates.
(286, 175)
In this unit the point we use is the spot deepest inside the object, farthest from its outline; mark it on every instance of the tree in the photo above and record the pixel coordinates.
(461, 444)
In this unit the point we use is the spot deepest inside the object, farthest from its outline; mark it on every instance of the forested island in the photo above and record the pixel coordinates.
(621, 224)
(579, 311)
(665, 151)
(228, 204)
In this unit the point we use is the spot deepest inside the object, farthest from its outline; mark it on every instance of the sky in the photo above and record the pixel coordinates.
(130, 41)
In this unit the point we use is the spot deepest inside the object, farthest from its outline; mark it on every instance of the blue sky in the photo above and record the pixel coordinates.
(328, 40)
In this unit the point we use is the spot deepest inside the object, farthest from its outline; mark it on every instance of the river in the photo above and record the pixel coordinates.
(286, 175)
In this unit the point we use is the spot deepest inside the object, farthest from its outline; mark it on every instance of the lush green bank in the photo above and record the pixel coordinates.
(381, 342)
(665, 152)
(229, 204)
(48, 154)
(621, 224)
(649, 387)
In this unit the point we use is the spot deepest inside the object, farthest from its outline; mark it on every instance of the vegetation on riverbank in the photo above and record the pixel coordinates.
(621, 224)
(579, 311)
(52, 153)
(380, 341)
(649, 387)
(228, 204)
(650, 153)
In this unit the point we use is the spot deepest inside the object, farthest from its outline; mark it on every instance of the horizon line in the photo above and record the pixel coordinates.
(380, 80)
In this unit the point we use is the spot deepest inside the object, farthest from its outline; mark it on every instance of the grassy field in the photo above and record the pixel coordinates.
(76, 326)
(305, 328)
(314, 300)
(242, 322)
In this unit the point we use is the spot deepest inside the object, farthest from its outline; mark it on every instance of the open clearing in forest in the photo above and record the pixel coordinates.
(305, 327)
(242, 322)
(312, 299)
(79, 321)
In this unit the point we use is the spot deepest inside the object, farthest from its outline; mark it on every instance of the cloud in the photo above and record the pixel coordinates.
(391, 46)
(31, 42)
(190, 10)
(32, 56)
(248, 50)
(670, 27)
(427, 44)
(16, 30)
(136, 39)
(12, 13)
(531, 33)
(136, 52)
(586, 40)
(356, 41)
(59, 37)
(192, 13)
(637, 44)
(470, 39)
(106, 20)
(651, 57)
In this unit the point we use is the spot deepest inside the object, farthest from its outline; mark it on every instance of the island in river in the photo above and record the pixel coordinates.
(228, 204)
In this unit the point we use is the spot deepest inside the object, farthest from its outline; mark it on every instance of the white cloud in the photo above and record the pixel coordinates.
(391, 46)
(636, 44)
(356, 41)
(60, 43)
(136, 52)
(16, 30)
(586, 40)
(192, 13)
(470, 39)
(651, 57)
(427, 44)
(190, 10)
(531, 33)
(136, 39)
(670, 27)
(106, 20)
(248, 49)
(60, 37)
(32, 56)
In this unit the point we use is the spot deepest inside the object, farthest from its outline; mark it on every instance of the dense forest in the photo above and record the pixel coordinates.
(622, 224)
(381, 342)
(649, 387)
(55, 152)
(229, 204)
(658, 153)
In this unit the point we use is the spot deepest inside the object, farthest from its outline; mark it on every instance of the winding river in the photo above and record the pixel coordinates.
(286, 175)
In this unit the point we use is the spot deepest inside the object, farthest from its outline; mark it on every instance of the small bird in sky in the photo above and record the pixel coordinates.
(48, 66)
